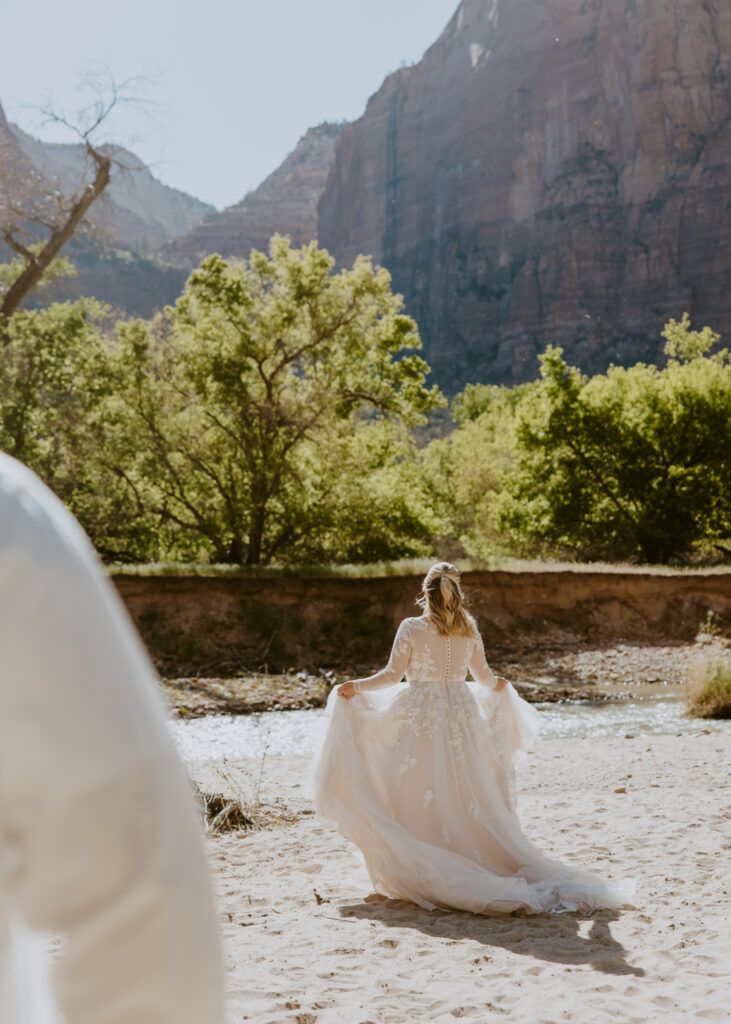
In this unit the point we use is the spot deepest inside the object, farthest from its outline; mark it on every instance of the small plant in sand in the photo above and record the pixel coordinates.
(237, 810)
(709, 628)
(709, 695)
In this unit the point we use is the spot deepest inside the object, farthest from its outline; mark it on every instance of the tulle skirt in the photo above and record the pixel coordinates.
(421, 777)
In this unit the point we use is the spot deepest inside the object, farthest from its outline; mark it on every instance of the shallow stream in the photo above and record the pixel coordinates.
(297, 732)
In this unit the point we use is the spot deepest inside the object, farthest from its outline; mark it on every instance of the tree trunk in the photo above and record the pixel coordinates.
(37, 264)
(235, 553)
(256, 536)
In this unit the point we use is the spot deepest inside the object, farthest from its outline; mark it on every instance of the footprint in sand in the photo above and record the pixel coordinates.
(464, 1011)
(311, 869)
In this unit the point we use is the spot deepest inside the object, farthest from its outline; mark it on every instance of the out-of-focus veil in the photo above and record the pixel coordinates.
(99, 839)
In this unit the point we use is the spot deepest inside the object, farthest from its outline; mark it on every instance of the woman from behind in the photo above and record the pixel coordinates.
(421, 775)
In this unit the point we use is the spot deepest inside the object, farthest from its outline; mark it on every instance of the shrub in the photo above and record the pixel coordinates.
(709, 695)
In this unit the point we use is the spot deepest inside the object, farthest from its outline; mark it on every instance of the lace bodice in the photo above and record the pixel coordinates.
(423, 656)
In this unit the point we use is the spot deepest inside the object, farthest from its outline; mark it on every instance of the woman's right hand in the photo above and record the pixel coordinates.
(347, 689)
(501, 683)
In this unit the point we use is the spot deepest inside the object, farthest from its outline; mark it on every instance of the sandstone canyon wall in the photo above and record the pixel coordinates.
(550, 171)
(286, 202)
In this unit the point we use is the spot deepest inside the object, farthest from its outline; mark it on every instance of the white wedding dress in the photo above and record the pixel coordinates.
(421, 777)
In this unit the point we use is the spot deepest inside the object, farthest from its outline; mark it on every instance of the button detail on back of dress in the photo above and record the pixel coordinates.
(448, 659)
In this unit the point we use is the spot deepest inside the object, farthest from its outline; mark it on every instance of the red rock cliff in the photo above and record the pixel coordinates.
(285, 202)
(550, 171)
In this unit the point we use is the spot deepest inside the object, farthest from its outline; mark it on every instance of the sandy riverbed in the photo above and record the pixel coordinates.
(306, 942)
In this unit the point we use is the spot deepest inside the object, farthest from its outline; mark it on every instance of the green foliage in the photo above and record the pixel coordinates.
(632, 461)
(683, 344)
(267, 419)
(60, 267)
(372, 503)
(56, 416)
(465, 473)
(51, 380)
(253, 398)
(709, 695)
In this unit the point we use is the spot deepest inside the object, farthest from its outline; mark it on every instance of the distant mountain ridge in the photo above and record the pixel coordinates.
(136, 213)
(139, 212)
(286, 201)
(551, 171)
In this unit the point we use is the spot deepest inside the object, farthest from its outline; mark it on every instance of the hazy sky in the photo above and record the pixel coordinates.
(238, 83)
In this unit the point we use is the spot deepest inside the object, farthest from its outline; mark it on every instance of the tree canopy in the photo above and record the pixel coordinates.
(246, 396)
(632, 462)
(268, 417)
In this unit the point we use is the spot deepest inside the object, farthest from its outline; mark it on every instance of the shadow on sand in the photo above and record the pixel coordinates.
(551, 937)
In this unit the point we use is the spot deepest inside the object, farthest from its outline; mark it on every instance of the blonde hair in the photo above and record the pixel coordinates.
(444, 603)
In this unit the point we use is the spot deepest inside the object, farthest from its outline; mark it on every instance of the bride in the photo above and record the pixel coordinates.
(421, 776)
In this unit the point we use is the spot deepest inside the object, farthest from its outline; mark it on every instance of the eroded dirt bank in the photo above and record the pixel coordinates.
(224, 626)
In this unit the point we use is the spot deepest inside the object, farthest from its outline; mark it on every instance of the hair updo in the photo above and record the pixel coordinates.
(444, 603)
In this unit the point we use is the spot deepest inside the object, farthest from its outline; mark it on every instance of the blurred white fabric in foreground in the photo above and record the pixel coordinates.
(99, 839)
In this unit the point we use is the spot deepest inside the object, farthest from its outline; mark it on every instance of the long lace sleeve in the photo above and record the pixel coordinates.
(481, 671)
(397, 663)
(521, 722)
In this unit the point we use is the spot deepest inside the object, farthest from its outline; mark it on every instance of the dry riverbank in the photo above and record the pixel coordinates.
(541, 670)
(307, 943)
(229, 626)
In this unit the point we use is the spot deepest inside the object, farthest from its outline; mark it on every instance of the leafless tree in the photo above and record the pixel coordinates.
(37, 216)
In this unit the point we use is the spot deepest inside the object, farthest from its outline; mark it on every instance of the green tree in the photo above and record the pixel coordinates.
(241, 394)
(636, 460)
(465, 472)
(56, 387)
(368, 498)
(51, 380)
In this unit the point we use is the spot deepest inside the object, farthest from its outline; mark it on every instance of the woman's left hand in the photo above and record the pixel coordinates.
(501, 683)
(347, 690)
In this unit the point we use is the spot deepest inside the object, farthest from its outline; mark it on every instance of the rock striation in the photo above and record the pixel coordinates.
(285, 202)
(550, 171)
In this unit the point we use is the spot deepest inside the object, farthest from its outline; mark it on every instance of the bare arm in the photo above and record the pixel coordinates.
(388, 676)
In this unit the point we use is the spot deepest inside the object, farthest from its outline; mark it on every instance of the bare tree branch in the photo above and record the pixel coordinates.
(37, 265)
(28, 199)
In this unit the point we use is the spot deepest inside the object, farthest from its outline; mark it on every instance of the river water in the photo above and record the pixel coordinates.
(297, 732)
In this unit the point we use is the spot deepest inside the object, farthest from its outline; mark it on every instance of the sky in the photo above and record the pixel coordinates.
(234, 84)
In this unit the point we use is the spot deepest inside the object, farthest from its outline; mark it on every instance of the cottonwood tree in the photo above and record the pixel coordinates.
(37, 215)
(465, 472)
(56, 386)
(242, 396)
(632, 462)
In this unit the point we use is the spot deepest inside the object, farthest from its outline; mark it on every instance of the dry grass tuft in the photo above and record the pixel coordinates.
(709, 694)
(235, 810)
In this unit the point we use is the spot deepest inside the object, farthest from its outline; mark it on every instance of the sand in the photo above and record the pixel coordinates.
(306, 942)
